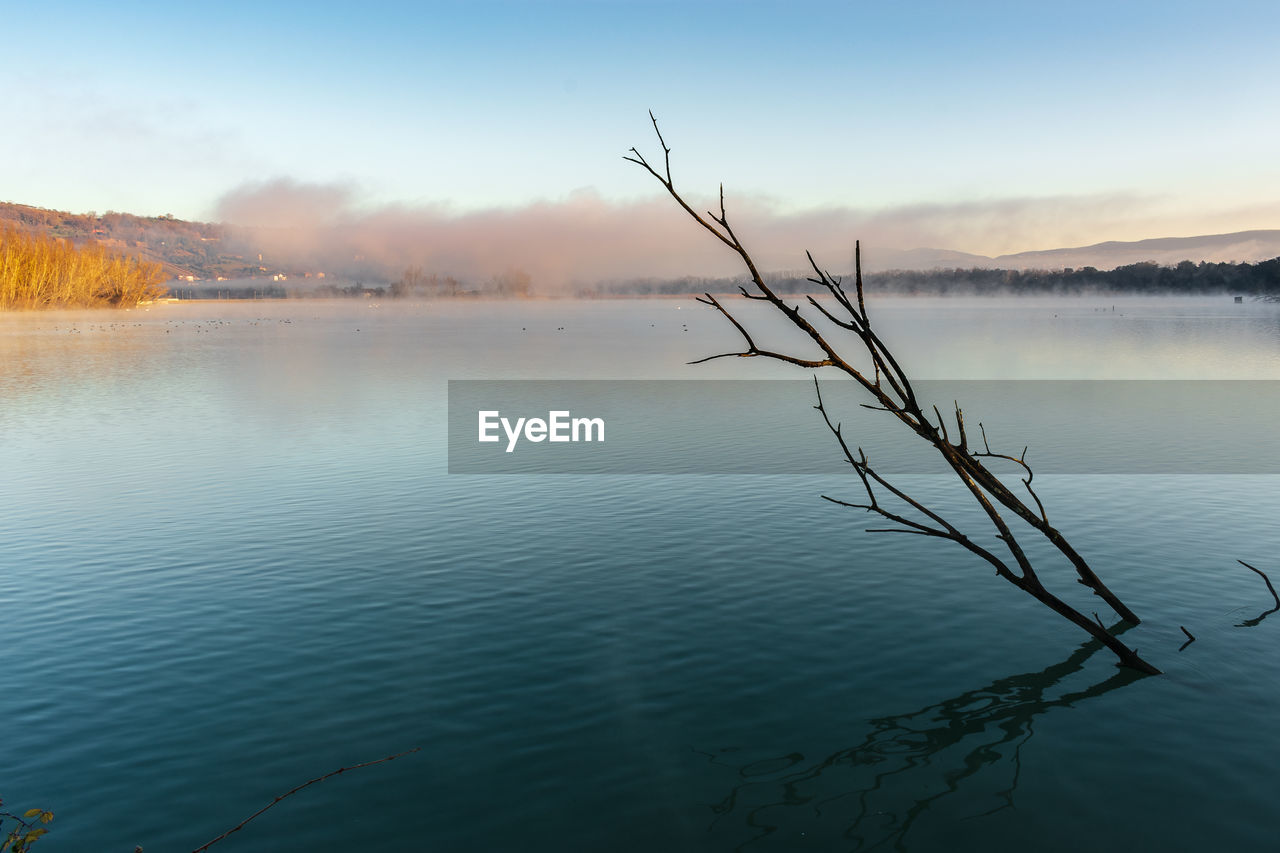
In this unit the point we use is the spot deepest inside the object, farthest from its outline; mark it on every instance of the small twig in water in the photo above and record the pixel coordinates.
(290, 793)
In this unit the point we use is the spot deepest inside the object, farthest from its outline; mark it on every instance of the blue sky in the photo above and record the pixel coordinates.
(1095, 121)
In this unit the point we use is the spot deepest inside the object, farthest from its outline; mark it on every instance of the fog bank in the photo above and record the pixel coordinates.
(583, 238)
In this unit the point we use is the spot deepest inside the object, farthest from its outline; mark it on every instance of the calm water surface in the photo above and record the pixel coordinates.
(233, 561)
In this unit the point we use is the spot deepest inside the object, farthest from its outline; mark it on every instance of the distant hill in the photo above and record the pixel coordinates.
(882, 260)
(200, 250)
(1238, 247)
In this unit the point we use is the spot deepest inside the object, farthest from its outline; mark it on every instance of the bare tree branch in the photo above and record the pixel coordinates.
(891, 391)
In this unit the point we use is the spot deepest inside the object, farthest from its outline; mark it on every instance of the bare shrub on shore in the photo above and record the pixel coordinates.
(38, 271)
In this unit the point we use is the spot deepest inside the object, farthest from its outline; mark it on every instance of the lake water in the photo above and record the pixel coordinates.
(233, 560)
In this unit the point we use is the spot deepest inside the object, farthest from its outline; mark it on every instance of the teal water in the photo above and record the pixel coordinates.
(233, 561)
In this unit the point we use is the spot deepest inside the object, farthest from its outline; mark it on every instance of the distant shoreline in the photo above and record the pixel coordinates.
(1224, 296)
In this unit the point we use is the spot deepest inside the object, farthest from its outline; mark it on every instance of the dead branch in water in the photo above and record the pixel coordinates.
(891, 390)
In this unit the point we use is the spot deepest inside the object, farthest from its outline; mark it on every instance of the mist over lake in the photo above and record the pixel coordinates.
(234, 561)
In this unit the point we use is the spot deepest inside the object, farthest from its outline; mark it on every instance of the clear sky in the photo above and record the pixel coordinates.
(1001, 126)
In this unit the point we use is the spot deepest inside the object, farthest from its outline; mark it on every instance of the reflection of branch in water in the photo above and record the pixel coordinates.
(985, 725)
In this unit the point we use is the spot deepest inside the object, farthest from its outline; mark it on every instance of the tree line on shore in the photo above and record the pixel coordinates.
(39, 271)
(420, 284)
(1260, 279)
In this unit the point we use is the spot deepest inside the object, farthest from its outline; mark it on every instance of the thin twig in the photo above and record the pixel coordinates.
(1017, 460)
(290, 793)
